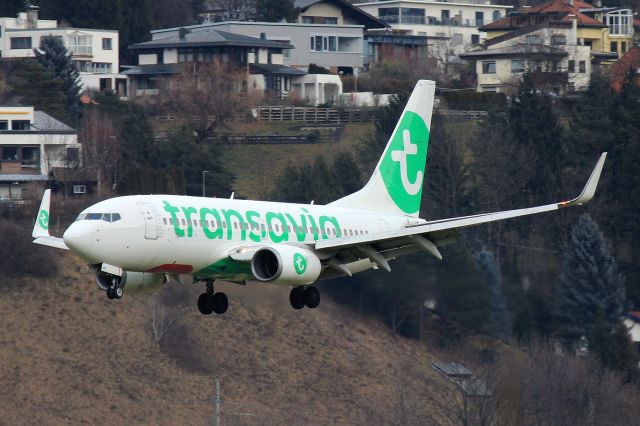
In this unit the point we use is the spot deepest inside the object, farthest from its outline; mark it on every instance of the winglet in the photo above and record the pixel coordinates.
(590, 188)
(41, 227)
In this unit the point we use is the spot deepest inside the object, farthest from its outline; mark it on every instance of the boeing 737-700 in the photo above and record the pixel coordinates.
(136, 243)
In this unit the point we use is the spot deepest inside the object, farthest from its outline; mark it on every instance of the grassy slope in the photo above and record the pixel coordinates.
(71, 356)
(257, 166)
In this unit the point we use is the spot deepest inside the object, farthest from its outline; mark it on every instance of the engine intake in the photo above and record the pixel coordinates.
(285, 264)
(133, 282)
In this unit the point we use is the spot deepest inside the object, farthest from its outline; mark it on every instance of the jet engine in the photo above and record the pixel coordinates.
(285, 264)
(133, 282)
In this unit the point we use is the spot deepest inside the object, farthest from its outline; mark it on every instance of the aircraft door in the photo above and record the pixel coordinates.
(150, 222)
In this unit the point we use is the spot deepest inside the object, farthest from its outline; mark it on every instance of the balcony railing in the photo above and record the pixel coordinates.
(81, 50)
(432, 20)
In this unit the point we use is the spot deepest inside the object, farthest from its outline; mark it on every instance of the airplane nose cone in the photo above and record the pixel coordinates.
(78, 237)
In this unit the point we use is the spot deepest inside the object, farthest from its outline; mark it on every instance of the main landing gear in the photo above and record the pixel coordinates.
(115, 290)
(304, 296)
(210, 301)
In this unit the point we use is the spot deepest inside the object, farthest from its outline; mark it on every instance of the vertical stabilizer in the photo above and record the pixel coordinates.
(396, 183)
(41, 227)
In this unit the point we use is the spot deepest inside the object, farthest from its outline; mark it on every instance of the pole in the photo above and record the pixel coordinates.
(217, 401)
(204, 172)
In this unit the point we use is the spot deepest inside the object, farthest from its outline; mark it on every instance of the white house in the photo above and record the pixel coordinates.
(457, 21)
(95, 52)
(32, 145)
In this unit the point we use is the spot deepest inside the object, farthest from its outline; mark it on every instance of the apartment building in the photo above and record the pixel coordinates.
(94, 51)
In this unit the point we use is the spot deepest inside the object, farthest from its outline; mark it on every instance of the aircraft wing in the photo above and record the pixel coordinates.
(51, 242)
(380, 246)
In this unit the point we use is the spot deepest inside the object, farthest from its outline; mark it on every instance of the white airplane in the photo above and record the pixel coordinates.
(136, 243)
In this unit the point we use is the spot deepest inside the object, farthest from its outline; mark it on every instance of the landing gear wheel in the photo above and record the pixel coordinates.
(205, 304)
(296, 298)
(220, 303)
(311, 297)
(118, 292)
(111, 294)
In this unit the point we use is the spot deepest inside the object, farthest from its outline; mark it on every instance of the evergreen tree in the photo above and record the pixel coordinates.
(32, 84)
(591, 287)
(55, 57)
(346, 174)
(11, 8)
(499, 323)
(276, 11)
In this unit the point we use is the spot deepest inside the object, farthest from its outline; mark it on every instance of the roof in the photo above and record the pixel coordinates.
(275, 69)
(209, 37)
(348, 9)
(552, 10)
(516, 50)
(22, 178)
(44, 122)
(155, 69)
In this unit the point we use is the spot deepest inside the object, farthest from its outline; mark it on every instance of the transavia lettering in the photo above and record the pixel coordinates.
(274, 226)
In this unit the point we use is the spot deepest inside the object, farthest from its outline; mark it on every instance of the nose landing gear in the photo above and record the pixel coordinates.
(210, 301)
(115, 290)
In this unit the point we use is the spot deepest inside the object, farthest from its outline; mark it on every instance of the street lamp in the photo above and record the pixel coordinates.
(204, 172)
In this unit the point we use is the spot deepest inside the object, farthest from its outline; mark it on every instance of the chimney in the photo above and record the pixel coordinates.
(182, 32)
(263, 36)
(574, 28)
(32, 17)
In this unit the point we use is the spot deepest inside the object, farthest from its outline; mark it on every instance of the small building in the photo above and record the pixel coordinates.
(32, 145)
(263, 59)
(454, 23)
(93, 51)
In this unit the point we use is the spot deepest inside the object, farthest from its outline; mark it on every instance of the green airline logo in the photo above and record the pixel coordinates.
(231, 224)
(43, 219)
(299, 263)
(402, 168)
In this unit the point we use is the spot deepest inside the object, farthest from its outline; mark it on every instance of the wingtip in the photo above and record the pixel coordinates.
(589, 189)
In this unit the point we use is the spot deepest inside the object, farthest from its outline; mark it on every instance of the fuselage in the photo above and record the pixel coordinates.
(194, 235)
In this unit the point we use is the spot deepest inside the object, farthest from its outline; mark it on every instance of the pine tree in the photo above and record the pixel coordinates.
(55, 57)
(499, 324)
(32, 84)
(11, 8)
(591, 288)
(346, 174)
(276, 11)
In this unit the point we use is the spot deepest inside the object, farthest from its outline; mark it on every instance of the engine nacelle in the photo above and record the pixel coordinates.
(133, 282)
(285, 264)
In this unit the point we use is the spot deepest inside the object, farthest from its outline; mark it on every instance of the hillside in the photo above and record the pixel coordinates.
(70, 356)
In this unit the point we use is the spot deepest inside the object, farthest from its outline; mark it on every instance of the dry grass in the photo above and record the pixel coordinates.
(71, 356)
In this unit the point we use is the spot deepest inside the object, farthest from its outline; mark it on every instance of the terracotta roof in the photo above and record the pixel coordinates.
(554, 7)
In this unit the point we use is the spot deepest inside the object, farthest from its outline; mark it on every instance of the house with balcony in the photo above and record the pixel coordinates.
(619, 21)
(453, 25)
(260, 58)
(94, 52)
(558, 42)
(32, 146)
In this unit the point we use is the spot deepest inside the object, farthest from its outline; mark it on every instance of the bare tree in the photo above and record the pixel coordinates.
(206, 94)
(163, 321)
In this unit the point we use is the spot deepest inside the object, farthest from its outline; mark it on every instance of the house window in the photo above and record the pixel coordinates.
(533, 39)
(324, 44)
(147, 83)
(623, 46)
(390, 15)
(496, 15)
(79, 189)
(558, 39)
(9, 153)
(21, 42)
(30, 156)
(185, 55)
(582, 67)
(106, 44)
(488, 67)
(479, 19)
(571, 66)
(614, 46)
(517, 66)
(490, 89)
(80, 44)
(101, 68)
(4, 125)
(20, 125)
(411, 15)
(325, 20)
(475, 38)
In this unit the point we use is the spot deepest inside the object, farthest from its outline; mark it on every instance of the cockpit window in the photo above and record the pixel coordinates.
(107, 217)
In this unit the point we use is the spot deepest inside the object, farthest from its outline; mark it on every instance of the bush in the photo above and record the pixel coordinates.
(20, 257)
